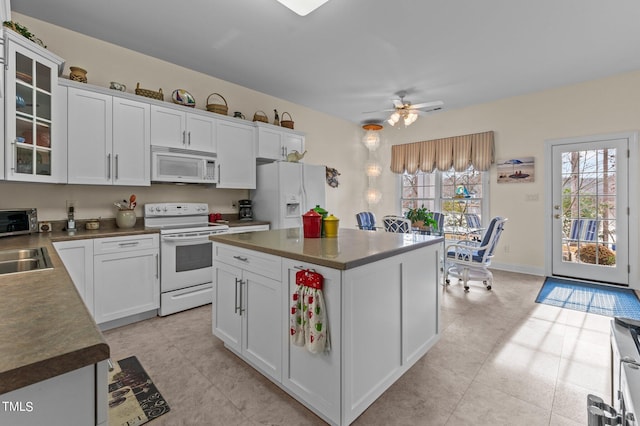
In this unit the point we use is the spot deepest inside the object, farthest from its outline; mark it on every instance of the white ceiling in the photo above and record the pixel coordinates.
(351, 56)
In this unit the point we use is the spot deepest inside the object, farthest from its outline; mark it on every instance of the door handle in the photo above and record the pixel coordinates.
(116, 167)
(236, 297)
(557, 216)
(157, 266)
(189, 138)
(241, 308)
(108, 166)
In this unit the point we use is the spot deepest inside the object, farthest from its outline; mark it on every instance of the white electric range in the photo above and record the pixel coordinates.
(186, 270)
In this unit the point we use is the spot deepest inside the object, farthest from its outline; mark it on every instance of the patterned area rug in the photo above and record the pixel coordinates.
(588, 297)
(133, 398)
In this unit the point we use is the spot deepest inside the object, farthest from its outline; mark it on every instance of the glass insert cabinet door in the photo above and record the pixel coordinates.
(31, 81)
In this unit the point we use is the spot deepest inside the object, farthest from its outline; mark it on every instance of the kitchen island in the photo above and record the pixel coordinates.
(380, 292)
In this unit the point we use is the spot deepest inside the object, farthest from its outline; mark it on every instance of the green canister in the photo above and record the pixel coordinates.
(322, 212)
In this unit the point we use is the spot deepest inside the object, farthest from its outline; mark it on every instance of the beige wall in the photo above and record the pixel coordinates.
(330, 141)
(521, 125)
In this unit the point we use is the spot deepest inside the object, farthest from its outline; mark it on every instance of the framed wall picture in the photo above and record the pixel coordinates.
(516, 170)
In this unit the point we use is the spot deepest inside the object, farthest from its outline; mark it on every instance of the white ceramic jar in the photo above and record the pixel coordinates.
(126, 218)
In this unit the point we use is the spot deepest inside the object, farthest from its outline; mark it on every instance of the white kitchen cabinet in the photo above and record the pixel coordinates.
(33, 152)
(176, 128)
(126, 276)
(78, 397)
(90, 136)
(77, 256)
(108, 139)
(248, 302)
(274, 143)
(131, 142)
(314, 378)
(236, 155)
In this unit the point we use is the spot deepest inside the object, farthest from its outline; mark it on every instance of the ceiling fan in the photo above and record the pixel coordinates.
(409, 112)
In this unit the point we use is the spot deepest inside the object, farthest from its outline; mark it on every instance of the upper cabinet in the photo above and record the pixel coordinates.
(33, 149)
(177, 128)
(236, 154)
(108, 138)
(275, 143)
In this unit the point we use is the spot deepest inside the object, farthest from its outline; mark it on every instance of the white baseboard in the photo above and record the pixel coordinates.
(522, 269)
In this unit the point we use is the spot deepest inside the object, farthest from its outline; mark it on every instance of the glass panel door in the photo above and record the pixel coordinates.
(589, 218)
(32, 116)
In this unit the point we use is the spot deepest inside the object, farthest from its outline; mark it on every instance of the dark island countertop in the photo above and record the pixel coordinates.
(352, 247)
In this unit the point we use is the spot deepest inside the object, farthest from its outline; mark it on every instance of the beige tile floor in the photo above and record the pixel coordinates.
(502, 360)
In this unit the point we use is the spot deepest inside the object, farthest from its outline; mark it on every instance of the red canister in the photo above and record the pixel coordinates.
(312, 224)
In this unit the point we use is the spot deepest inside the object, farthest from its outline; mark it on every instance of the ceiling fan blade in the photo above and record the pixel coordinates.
(422, 112)
(427, 104)
(379, 110)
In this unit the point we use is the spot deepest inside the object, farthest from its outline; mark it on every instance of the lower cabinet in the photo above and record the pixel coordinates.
(315, 378)
(77, 256)
(78, 397)
(126, 276)
(116, 277)
(247, 310)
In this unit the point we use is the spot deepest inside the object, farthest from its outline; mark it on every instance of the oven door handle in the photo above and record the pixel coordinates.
(203, 237)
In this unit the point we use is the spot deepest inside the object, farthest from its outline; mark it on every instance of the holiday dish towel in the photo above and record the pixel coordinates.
(308, 317)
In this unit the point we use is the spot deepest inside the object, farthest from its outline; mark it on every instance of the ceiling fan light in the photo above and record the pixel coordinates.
(302, 7)
(394, 118)
(409, 118)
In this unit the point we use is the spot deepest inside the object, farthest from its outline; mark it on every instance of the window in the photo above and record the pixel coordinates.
(453, 193)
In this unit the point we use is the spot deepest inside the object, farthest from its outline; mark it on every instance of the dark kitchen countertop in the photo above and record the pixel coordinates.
(45, 328)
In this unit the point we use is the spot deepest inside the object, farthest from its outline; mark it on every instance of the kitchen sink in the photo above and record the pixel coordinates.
(24, 260)
(18, 254)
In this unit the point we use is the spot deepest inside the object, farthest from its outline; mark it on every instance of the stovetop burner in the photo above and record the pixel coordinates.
(180, 217)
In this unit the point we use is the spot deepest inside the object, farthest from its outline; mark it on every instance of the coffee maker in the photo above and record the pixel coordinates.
(245, 212)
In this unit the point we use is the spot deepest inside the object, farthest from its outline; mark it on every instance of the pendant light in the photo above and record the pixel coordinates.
(371, 138)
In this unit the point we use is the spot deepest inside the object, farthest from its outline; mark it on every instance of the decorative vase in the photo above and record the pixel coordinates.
(78, 74)
(126, 219)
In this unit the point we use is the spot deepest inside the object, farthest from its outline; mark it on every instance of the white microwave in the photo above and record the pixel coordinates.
(182, 166)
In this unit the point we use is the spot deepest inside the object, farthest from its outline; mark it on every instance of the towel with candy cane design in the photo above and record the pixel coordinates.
(297, 318)
(308, 313)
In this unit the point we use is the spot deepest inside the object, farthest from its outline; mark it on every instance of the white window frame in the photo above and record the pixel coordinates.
(438, 200)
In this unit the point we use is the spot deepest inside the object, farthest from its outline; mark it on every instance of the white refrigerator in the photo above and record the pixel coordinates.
(285, 191)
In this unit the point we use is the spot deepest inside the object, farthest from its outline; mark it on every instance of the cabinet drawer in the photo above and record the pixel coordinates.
(248, 228)
(259, 263)
(122, 244)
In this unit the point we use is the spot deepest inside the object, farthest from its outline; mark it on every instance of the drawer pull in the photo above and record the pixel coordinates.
(241, 258)
(129, 244)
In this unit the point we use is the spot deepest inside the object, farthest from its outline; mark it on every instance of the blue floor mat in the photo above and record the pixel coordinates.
(592, 298)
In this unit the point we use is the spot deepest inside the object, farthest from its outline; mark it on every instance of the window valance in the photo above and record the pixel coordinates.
(458, 152)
